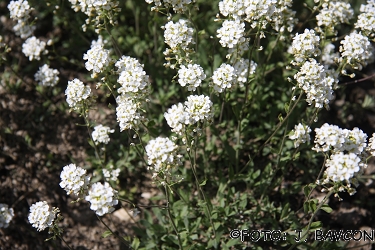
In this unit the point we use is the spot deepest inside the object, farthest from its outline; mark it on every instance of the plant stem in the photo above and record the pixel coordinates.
(171, 219)
(114, 233)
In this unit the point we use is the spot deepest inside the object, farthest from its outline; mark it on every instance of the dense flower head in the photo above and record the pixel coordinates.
(33, 47)
(259, 9)
(356, 50)
(101, 134)
(97, 59)
(331, 137)
(232, 8)
(316, 83)
(47, 76)
(342, 167)
(161, 154)
(41, 215)
(23, 29)
(102, 198)
(177, 118)
(241, 70)
(305, 46)
(300, 134)
(371, 145)
(178, 34)
(132, 77)
(237, 51)
(198, 108)
(191, 76)
(334, 13)
(230, 33)
(329, 56)
(179, 6)
(19, 10)
(127, 113)
(74, 179)
(6, 215)
(223, 77)
(76, 92)
(366, 20)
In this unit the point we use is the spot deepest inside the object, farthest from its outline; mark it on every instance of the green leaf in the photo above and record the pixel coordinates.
(106, 234)
(285, 211)
(203, 183)
(315, 225)
(327, 208)
(135, 243)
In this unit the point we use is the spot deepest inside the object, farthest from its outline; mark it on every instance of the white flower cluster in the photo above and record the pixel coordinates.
(304, 46)
(178, 35)
(347, 152)
(97, 9)
(179, 6)
(41, 215)
(196, 108)
(230, 33)
(20, 11)
(102, 198)
(237, 51)
(101, 134)
(241, 69)
(366, 20)
(74, 179)
(300, 134)
(371, 145)
(329, 57)
(161, 155)
(33, 47)
(97, 59)
(331, 137)
(223, 77)
(342, 167)
(47, 76)
(132, 77)
(76, 92)
(356, 50)
(191, 76)
(317, 84)
(111, 174)
(334, 13)
(6, 215)
(127, 113)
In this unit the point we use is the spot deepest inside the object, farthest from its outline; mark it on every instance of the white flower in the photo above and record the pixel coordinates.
(198, 108)
(6, 215)
(304, 46)
(23, 29)
(102, 198)
(176, 118)
(316, 83)
(230, 33)
(33, 47)
(329, 57)
(41, 216)
(127, 112)
(223, 77)
(111, 174)
(47, 76)
(366, 20)
(178, 34)
(74, 179)
(371, 145)
(331, 137)
(342, 167)
(19, 10)
(192, 76)
(179, 6)
(356, 50)
(161, 154)
(241, 68)
(101, 134)
(132, 77)
(334, 13)
(232, 8)
(76, 92)
(97, 59)
(300, 134)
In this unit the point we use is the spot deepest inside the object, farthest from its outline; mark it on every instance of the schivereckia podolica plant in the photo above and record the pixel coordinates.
(219, 103)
